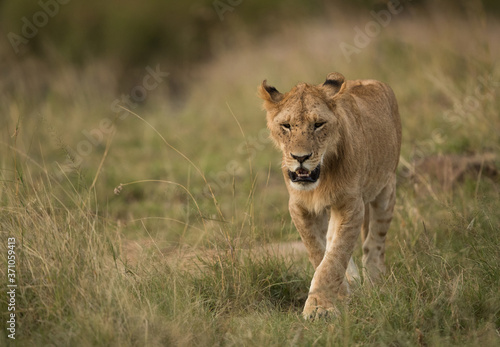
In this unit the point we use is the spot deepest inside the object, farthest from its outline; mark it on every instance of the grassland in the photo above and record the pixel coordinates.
(199, 180)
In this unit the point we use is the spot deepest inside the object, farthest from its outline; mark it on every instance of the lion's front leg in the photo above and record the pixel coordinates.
(329, 281)
(312, 229)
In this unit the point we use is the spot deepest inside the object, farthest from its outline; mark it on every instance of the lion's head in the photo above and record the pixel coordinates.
(304, 124)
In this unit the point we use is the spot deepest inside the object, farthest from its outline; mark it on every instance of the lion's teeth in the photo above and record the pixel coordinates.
(303, 174)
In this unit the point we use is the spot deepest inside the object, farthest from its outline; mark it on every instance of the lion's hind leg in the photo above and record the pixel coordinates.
(380, 217)
(352, 273)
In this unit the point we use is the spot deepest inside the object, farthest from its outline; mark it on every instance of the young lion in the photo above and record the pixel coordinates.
(340, 142)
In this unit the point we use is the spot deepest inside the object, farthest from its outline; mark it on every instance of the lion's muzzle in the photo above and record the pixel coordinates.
(302, 175)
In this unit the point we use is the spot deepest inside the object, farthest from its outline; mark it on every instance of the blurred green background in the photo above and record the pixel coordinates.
(131, 35)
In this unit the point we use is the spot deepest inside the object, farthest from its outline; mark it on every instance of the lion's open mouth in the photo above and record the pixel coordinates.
(304, 175)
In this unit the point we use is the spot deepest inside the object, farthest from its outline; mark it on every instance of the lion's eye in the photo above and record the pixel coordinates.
(318, 125)
(286, 126)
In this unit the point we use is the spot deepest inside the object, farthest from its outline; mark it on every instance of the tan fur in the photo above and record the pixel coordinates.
(351, 130)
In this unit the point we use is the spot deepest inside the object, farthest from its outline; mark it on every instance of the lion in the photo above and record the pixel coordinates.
(340, 142)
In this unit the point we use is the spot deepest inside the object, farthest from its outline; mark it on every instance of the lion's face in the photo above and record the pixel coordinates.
(304, 130)
(304, 126)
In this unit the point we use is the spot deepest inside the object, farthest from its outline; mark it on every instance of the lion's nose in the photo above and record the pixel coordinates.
(301, 158)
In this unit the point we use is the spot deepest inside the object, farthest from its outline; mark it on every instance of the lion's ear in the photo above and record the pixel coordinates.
(334, 84)
(270, 95)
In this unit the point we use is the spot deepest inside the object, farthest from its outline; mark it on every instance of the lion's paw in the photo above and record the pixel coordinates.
(319, 309)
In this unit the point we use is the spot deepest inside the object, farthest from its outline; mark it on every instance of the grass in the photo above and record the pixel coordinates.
(79, 283)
